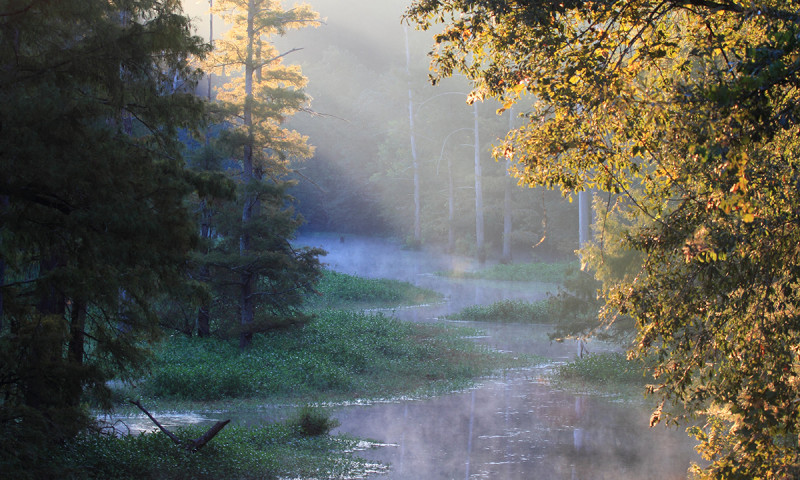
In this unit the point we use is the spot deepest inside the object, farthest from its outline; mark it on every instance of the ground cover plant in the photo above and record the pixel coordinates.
(280, 450)
(343, 291)
(340, 354)
(607, 373)
(508, 311)
(517, 272)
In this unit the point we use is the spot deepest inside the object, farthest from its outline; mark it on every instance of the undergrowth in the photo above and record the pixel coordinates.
(263, 452)
(340, 354)
(607, 372)
(517, 272)
(508, 311)
(342, 291)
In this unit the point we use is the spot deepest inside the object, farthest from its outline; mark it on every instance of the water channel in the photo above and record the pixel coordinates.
(513, 427)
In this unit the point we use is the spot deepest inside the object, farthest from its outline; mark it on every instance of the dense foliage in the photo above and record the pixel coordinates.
(685, 114)
(93, 221)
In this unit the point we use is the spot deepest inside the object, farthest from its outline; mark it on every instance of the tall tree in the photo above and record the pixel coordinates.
(689, 110)
(261, 95)
(94, 222)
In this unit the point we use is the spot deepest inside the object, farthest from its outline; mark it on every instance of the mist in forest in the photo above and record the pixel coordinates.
(365, 70)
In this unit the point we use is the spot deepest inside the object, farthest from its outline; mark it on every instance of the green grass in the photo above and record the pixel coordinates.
(341, 291)
(274, 451)
(516, 311)
(339, 355)
(518, 272)
(608, 373)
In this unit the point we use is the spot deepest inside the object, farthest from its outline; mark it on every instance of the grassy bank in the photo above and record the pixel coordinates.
(341, 291)
(518, 272)
(602, 373)
(273, 451)
(343, 354)
(340, 355)
(516, 311)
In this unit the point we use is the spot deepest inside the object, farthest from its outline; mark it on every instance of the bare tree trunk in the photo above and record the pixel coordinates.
(479, 231)
(414, 160)
(191, 445)
(508, 187)
(210, 38)
(584, 218)
(3, 205)
(451, 207)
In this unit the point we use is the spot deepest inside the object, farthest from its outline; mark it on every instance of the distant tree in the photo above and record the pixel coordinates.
(688, 114)
(93, 221)
(262, 93)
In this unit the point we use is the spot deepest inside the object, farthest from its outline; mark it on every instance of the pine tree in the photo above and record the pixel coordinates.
(261, 95)
(94, 222)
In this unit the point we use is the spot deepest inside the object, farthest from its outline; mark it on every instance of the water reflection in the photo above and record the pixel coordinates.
(518, 428)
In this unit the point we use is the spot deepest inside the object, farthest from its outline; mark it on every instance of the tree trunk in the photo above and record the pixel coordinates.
(451, 208)
(507, 204)
(479, 232)
(414, 160)
(584, 218)
(249, 210)
(507, 224)
(3, 205)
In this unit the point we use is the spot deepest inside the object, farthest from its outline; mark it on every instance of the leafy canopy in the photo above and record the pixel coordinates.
(685, 114)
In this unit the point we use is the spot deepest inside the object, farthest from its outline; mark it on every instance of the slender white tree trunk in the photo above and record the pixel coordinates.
(479, 231)
(509, 185)
(414, 160)
(584, 218)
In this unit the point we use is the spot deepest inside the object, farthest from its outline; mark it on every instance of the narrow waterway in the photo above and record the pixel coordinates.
(514, 427)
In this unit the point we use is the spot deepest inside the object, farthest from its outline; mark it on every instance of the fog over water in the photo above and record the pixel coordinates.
(513, 427)
(516, 426)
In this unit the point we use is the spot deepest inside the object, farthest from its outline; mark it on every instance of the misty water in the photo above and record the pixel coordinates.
(514, 426)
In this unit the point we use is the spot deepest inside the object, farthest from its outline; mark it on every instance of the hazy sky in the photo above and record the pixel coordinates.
(371, 28)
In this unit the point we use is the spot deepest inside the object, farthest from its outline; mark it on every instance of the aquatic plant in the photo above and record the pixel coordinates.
(340, 354)
(340, 290)
(517, 272)
(508, 311)
(238, 452)
(311, 421)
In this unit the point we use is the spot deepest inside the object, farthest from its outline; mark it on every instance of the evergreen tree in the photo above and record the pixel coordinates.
(94, 225)
(259, 98)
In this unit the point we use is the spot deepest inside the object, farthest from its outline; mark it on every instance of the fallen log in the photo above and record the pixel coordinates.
(191, 445)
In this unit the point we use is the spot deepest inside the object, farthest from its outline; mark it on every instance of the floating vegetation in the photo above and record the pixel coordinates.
(508, 311)
(518, 272)
(342, 291)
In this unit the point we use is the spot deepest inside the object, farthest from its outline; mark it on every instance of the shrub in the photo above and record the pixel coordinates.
(312, 421)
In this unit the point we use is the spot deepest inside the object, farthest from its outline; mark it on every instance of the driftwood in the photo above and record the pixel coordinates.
(191, 445)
